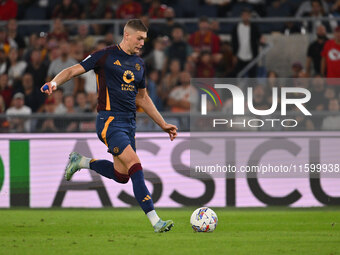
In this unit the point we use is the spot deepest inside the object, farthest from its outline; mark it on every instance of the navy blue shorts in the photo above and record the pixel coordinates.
(116, 130)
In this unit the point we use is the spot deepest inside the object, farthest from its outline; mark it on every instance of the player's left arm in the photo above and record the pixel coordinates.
(144, 101)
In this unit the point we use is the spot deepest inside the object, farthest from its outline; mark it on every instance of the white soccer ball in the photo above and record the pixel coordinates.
(203, 219)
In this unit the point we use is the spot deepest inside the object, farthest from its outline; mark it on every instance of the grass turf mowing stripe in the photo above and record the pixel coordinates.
(127, 231)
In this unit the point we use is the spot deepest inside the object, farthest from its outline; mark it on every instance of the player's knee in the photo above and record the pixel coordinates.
(121, 178)
(134, 168)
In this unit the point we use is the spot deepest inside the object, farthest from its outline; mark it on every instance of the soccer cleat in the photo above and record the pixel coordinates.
(73, 165)
(163, 226)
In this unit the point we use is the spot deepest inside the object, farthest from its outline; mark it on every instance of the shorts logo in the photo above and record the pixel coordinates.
(146, 198)
(137, 66)
(115, 150)
(128, 76)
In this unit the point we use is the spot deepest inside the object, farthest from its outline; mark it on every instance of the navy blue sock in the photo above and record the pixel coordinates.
(140, 190)
(106, 169)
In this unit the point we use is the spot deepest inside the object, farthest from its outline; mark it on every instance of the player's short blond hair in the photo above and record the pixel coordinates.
(136, 24)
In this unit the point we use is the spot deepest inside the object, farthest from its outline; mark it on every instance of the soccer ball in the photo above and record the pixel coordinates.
(203, 220)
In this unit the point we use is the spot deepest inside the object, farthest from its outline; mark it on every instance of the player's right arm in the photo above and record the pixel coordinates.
(62, 77)
(90, 62)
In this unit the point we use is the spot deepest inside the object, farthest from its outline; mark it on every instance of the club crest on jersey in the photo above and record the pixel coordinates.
(128, 76)
(137, 66)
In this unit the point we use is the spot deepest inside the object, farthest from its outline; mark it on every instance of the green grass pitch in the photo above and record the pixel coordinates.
(127, 231)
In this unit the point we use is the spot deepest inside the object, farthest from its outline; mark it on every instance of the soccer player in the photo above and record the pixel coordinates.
(120, 76)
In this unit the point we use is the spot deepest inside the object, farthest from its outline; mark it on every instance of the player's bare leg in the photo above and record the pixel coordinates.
(128, 163)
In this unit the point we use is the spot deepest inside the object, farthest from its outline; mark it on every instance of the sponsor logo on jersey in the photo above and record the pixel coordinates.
(137, 66)
(128, 76)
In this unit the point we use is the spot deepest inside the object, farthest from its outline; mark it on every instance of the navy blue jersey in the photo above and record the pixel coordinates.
(119, 76)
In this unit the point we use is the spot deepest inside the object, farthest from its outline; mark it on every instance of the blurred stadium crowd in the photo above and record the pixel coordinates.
(174, 53)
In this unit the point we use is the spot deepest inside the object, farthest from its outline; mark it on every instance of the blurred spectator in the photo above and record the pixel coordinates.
(109, 39)
(157, 10)
(223, 6)
(272, 80)
(316, 12)
(151, 36)
(170, 23)
(184, 96)
(179, 49)
(336, 8)
(129, 9)
(96, 9)
(92, 100)
(48, 124)
(329, 93)
(69, 124)
(14, 38)
(332, 122)
(3, 122)
(259, 98)
(77, 50)
(225, 66)
(314, 51)
(296, 69)
(278, 8)
(18, 124)
(58, 97)
(3, 62)
(170, 80)
(53, 51)
(67, 9)
(257, 5)
(205, 67)
(204, 38)
(8, 9)
(4, 43)
(61, 63)
(156, 58)
(2, 105)
(318, 102)
(85, 38)
(37, 69)
(16, 67)
(245, 42)
(306, 7)
(152, 82)
(330, 63)
(58, 31)
(5, 90)
(82, 105)
(88, 79)
(215, 27)
(305, 124)
(33, 97)
(101, 44)
(38, 42)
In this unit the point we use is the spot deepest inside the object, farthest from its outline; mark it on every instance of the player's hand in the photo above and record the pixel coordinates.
(171, 130)
(48, 88)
